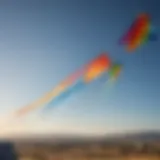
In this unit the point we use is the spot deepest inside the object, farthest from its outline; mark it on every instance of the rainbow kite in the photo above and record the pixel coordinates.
(92, 71)
(87, 74)
(139, 33)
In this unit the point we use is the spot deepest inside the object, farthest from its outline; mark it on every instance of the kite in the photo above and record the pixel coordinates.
(139, 33)
(96, 68)
(93, 70)
(89, 72)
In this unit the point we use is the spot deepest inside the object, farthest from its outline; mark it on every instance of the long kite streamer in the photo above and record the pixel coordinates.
(65, 95)
(50, 95)
(90, 71)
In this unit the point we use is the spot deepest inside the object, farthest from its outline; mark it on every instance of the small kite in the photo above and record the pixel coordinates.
(139, 33)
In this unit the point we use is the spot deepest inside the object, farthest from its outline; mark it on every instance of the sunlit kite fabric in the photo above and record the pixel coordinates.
(88, 73)
(96, 68)
(139, 33)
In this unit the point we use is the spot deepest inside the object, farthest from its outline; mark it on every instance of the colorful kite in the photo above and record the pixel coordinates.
(139, 33)
(88, 73)
(93, 70)
(96, 68)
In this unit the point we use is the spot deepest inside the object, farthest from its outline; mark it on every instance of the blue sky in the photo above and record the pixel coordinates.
(41, 42)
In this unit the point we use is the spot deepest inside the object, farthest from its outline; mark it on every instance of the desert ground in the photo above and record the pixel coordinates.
(133, 150)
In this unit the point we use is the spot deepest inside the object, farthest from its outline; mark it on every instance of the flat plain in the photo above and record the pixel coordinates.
(107, 150)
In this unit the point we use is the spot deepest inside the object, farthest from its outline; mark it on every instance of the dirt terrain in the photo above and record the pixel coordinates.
(89, 151)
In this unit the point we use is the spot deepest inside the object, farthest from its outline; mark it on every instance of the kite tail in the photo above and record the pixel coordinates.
(64, 96)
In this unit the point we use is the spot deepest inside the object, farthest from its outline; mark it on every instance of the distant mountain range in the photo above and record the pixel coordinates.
(143, 136)
(138, 136)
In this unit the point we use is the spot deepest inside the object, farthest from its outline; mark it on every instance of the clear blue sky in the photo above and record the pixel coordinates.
(41, 42)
